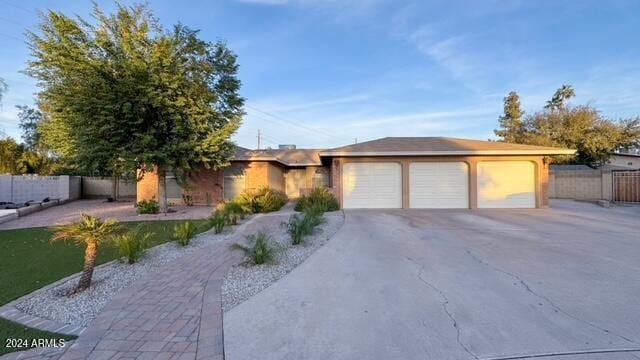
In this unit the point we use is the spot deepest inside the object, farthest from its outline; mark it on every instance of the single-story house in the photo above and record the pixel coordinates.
(629, 161)
(392, 172)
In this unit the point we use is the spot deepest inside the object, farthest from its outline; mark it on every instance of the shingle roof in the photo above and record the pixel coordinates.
(288, 157)
(390, 146)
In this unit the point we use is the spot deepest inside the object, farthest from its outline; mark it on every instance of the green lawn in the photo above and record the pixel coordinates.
(29, 261)
(24, 336)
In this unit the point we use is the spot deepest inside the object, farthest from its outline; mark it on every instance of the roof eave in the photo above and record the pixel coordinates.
(448, 153)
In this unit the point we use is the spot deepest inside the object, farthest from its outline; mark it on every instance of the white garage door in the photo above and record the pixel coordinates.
(438, 185)
(372, 185)
(506, 184)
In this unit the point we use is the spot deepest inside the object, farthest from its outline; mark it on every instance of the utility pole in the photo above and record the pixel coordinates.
(258, 139)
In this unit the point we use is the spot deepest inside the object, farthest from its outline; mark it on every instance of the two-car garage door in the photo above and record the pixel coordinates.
(500, 184)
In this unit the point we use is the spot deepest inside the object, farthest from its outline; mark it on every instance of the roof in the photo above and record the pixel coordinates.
(415, 146)
(287, 157)
(625, 154)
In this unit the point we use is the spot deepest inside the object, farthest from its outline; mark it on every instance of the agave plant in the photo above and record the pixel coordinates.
(90, 232)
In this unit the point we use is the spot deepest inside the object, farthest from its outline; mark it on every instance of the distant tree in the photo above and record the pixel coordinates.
(3, 89)
(511, 124)
(559, 99)
(10, 152)
(30, 119)
(128, 94)
(581, 127)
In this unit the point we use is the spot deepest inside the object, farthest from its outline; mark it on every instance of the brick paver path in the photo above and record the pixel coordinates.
(173, 314)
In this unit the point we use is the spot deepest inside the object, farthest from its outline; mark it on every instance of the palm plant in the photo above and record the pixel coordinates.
(90, 232)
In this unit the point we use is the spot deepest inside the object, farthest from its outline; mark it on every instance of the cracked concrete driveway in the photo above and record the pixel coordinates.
(559, 283)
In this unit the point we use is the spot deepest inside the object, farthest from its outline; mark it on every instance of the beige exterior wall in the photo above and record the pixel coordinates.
(541, 169)
(300, 181)
(590, 184)
(631, 162)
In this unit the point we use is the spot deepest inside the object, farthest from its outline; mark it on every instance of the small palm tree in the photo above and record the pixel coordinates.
(89, 232)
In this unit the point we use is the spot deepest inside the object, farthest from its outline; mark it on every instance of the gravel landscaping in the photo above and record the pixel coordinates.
(108, 279)
(245, 280)
(242, 281)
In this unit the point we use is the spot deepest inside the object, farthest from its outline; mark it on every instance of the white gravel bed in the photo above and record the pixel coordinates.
(244, 280)
(108, 279)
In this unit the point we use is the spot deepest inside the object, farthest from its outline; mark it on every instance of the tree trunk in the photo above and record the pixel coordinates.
(115, 187)
(90, 255)
(162, 190)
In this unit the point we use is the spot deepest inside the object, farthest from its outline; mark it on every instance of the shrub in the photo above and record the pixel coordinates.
(301, 226)
(133, 244)
(183, 232)
(320, 197)
(218, 220)
(262, 200)
(260, 249)
(234, 211)
(148, 207)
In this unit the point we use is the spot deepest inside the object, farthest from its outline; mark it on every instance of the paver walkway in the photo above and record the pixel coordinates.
(174, 314)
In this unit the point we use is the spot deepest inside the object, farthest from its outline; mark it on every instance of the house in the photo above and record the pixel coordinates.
(622, 160)
(392, 172)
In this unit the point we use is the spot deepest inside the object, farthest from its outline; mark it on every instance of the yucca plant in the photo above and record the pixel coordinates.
(218, 220)
(260, 249)
(90, 232)
(301, 226)
(132, 244)
(183, 232)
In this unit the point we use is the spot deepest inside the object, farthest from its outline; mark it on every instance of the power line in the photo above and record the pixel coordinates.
(308, 128)
(11, 37)
(17, 6)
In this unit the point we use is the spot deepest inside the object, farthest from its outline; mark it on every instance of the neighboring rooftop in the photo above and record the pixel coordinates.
(439, 146)
(288, 157)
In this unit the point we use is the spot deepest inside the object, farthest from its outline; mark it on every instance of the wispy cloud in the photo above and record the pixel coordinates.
(289, 103)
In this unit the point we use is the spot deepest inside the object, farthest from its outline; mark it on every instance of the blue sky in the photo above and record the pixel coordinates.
(322, 73)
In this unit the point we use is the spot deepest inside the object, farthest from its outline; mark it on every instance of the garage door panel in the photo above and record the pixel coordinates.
(506, 184)
(372, 185)
(434, 185)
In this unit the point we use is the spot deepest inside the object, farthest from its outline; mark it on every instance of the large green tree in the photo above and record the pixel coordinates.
(129, 94)
(577, 127)
(511, 122)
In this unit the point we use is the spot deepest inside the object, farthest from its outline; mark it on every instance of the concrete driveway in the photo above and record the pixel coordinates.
(559, 283)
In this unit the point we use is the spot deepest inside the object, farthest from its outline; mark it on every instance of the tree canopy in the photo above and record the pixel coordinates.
(123, 92)
(579, 127)
(511, 124)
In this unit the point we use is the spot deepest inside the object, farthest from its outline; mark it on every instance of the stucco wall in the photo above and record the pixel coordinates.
(541, 169)
(631, 162)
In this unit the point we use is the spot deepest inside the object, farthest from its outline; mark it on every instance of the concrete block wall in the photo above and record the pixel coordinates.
(21, 188)
(580, 184)
(102, 187)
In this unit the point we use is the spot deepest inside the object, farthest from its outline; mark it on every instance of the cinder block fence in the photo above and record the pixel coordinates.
(580, 184)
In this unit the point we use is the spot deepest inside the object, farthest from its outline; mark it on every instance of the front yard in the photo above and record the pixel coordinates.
(30, 261)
